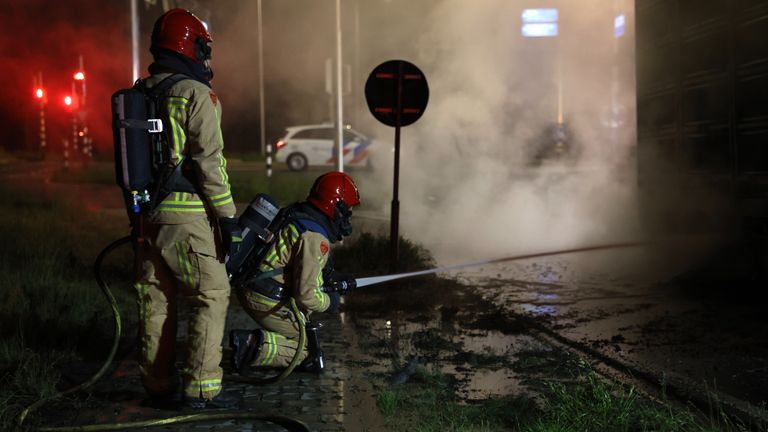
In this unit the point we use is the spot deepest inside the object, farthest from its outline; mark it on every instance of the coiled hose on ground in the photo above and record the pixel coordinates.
(288, 423)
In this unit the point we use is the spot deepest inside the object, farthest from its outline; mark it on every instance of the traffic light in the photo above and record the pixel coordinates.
(40, 93)
(79, 76)
(68, 101)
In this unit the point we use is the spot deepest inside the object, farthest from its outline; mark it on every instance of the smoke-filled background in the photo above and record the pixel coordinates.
(478, 174)
(472, 182)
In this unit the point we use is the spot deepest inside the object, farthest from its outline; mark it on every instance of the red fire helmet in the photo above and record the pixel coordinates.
(180, 31)
(331, 188)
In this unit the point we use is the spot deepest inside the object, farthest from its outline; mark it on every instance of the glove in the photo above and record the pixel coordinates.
(231, 235)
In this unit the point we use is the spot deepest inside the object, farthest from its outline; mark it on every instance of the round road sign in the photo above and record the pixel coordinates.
(397, 93)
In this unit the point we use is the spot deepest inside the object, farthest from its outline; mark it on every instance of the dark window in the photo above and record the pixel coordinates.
(351, 136)
(317, 133)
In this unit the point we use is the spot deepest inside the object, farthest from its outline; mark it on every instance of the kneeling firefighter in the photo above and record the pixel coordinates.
(296, 265)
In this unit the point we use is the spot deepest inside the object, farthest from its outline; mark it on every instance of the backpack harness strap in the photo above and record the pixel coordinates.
(269, 286)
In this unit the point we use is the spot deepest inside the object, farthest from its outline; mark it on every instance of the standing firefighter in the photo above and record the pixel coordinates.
(177, 250)
(297, 266)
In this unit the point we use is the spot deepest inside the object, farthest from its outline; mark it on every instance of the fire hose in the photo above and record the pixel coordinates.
(288, 423)
(361, 282)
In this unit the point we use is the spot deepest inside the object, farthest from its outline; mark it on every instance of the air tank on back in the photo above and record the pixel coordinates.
(255, 222)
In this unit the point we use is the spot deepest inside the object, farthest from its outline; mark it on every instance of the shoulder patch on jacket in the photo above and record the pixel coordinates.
(214, 98)
(324, 248)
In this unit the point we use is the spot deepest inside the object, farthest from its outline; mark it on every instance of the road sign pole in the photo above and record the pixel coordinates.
(397, 94)
(394, 234)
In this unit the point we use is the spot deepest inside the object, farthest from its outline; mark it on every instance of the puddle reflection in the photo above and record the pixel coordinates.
(539, 310)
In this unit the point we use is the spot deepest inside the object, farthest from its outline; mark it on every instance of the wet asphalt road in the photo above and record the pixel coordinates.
(705, 339)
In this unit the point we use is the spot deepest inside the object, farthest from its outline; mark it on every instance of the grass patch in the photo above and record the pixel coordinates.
(370, 254)
(7, 156)
(97, 173)
(592, 404)
(549, 364)
(50, 306)
(428, 403)
(285, 187)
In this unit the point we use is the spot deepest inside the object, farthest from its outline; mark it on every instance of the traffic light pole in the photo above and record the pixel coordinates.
(41, 99)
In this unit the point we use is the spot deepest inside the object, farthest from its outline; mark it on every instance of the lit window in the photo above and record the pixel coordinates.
(539, 22)
(619, 25)
(540, 30)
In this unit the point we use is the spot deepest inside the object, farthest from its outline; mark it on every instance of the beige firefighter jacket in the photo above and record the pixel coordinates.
(193, 127)
(302, 256)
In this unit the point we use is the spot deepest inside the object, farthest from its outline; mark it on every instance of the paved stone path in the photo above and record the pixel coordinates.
(339, 399)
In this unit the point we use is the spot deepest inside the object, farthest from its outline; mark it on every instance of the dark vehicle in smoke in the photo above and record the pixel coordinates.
(313, 145)
(555, 142)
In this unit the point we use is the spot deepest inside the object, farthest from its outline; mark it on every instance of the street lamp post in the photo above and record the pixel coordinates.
(261, 81)
(135, 39)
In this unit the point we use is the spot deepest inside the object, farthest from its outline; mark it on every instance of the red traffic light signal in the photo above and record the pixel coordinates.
(39, 93)
(79, 76)
(68, 100)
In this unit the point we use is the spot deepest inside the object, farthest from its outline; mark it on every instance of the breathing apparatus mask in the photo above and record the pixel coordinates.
(343, 219)
(203, 52)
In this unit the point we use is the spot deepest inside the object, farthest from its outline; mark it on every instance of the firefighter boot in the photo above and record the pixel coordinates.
(245, 346)
(315, 361)
(223, 400)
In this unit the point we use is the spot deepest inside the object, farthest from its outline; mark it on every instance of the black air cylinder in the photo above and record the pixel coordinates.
(133, 149)
(255, 220)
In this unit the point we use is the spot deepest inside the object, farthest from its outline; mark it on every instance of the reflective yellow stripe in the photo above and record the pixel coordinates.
(280, 247)
(271, 346)
(184, 265)
(219, 196)
(223, 169)
(221, 203)
(319, 291)
(294, 233)
(182, 202)
(222, 160)
(180, 209)
(258, 298)
(176, 107)
(221, 199)
(206, 385)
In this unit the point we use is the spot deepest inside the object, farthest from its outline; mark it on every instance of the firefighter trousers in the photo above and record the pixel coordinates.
(180, 260)
(279, 327)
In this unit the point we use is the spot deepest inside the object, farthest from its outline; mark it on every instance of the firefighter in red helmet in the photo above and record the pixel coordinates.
(187, 235)
(179, 37)
(297, 266)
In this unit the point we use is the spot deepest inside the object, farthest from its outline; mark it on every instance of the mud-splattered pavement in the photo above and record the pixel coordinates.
(697, 339)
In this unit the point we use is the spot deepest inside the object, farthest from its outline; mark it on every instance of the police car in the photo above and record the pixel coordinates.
(311, 145)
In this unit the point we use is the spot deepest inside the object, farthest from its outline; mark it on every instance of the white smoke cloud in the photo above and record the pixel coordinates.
(467, 187)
